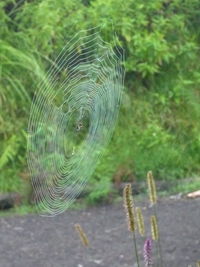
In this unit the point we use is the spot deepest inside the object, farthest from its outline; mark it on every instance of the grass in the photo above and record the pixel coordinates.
(186, 186)
(26, 209)
(21, 210)
(183, 186)
(155, 236)
(150, 253)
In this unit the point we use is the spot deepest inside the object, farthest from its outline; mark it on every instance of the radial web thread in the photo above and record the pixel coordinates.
(72, 118)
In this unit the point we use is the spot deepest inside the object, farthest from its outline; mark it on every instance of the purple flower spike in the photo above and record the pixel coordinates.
(147, 252)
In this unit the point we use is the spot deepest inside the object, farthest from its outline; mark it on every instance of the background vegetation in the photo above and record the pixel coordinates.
(159, 123)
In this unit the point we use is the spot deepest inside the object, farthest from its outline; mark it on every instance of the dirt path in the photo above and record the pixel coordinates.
(35, 241)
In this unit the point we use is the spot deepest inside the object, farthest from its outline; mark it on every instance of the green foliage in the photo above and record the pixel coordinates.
(158, 126)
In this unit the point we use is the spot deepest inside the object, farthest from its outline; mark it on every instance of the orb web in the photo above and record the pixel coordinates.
(72, 118)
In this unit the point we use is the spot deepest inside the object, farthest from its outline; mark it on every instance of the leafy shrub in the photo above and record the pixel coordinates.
(158, 126)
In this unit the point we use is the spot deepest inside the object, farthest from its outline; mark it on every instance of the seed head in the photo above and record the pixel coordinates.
(82, 235)
(140, 221)
(147, 252)
(128, 204)
(154, 228)
(151, 188)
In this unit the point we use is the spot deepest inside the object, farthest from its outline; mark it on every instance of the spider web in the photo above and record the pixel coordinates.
(72, 118)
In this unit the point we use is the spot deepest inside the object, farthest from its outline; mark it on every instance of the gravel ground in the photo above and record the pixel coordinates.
(35, 241)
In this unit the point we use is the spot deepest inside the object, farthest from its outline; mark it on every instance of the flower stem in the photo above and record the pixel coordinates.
(158, 241)
(136, 251)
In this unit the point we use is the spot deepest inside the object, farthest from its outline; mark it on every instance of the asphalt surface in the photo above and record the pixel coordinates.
(35, 241)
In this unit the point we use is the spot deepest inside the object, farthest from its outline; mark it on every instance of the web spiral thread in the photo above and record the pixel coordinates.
(72, 118)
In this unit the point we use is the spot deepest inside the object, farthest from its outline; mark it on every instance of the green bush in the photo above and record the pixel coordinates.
(158, 125)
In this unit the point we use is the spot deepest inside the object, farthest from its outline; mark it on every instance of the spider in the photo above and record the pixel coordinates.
(79, 126)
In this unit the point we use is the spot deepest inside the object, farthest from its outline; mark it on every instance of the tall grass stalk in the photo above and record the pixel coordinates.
(153, 200)
(131, 217)
(140, 221)
(82, 235)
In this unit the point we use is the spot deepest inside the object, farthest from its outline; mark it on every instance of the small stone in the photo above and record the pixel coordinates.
(176, 197)
(171, 249)
(98, 261)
